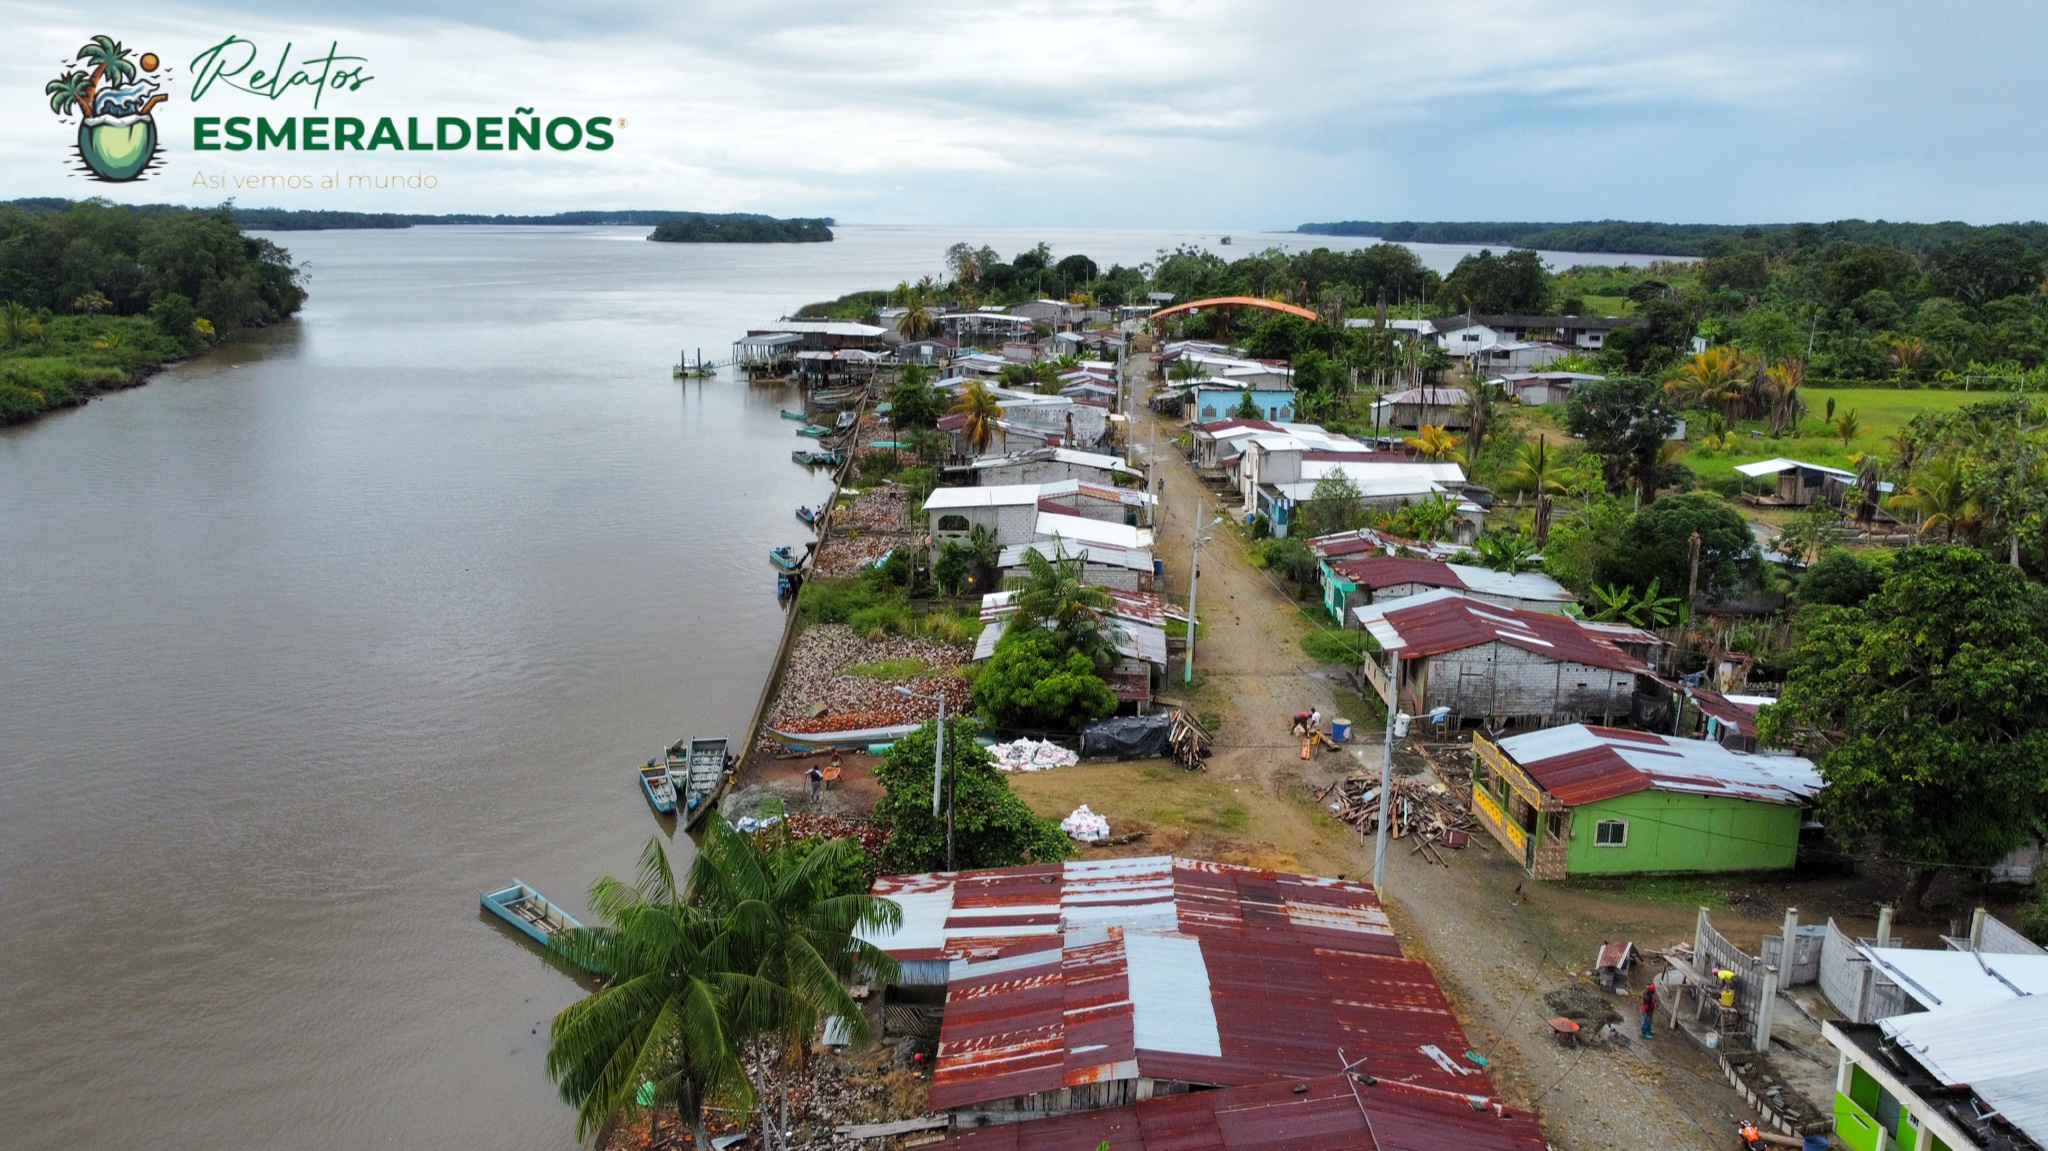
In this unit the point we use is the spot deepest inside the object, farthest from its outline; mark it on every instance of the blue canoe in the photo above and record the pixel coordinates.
(529, 911)
(661, 792)
(786, 559)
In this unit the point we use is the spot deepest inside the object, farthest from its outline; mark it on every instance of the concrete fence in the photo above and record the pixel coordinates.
(1755, 987)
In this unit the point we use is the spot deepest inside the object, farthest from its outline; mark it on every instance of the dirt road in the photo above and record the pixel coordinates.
(1496, 950)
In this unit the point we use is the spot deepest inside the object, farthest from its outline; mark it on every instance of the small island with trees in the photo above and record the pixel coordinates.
(741, 228)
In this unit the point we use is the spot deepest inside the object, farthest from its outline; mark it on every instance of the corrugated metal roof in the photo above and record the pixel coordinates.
(1995, 1049)
(1171, 969)
(1440, 621)
(1580, 763)
(1961, 979)
(1329, 1113)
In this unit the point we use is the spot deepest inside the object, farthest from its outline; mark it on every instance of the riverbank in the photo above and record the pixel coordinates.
(66, 361)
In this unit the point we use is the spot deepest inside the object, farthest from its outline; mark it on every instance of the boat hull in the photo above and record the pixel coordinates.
(817, 740)
(529, 911)
(660, 790)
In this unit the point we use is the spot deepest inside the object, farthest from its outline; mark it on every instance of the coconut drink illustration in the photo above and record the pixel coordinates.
(117, 138)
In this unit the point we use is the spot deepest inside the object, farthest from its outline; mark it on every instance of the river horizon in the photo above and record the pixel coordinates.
(312, 638)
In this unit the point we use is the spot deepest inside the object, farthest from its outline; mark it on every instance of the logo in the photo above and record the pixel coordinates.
(117, 138)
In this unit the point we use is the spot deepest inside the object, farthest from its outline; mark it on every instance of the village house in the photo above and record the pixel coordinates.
(1204, 400)
(1464, 336)
(1351, 581)
(1580, 800)
(1046, 465)
(1415, 407)
(983, 328)
(1518, 356)
(1103, 565)
(1799, 484)
(931, 353)
(1471, 661)
(1021, 513)
(1075, 998)
(1534, 388)
(832, 335)
(1380, 486)
(1969, 1071)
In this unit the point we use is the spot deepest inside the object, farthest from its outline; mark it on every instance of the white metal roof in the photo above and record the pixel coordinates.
(994, 495)
(1139, 641)
(1360, 471)
(1130, 497)
(1053, 525)
(1772, 467)
(1390, 487)
(826, 327)
(1996, 1049)
(1136, 559)
(1520, 585)
(1952, 979)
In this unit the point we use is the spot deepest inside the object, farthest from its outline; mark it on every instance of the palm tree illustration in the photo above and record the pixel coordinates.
(110, 63)
(70, 92)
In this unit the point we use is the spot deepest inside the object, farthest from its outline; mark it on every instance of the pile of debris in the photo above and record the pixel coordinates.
(867, 833)
(876, 509)
(1428, 812)
(828, 1102)
(816, 695)
(1190, 741)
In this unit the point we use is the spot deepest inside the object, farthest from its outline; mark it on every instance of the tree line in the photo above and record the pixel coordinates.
(1649, 238)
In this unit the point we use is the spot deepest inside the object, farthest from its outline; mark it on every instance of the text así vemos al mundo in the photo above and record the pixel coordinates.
(448, 133)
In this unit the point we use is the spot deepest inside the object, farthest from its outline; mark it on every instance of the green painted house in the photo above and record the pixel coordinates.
(1953, 1078)
(1586, 800)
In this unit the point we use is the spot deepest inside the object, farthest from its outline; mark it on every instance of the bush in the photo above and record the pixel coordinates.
(1031, 682)
(2032, 920)
(1329, 646)
(992, 827)
(878, 464)
(1842, 578)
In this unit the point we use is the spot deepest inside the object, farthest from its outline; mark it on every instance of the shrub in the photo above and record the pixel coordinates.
(992, 827)
(1030, 682)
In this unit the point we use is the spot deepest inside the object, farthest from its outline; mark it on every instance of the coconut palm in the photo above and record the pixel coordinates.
(14, 322)
(667, 1024)
(109, 63)
(1781, 389)
(69, 93)
(1941, 496)
(1847, 425)
(1053, 593)
(1431, 442)
(1710, 378)
(1531, 471)
(1906, 356)
(91, 303)
(788, 922)
(917, 322)
(979, 405)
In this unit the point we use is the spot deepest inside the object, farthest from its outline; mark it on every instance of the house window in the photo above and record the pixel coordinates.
(1553, 827)
(953, 523)
(1610, 833)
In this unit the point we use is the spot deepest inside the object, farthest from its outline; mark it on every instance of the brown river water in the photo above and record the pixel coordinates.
(306, 642)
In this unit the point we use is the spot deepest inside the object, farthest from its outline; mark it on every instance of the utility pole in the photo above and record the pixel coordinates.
(938, 767)
(1379, 850)
(1194, 577)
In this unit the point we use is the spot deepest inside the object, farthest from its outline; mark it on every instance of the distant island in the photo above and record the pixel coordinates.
(736, 229)
(1654, 239)
(316, 220)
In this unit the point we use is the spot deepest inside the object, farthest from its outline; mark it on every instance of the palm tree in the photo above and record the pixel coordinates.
(1941, 495)
(1053, 593)
(1531, 471)
(14, 322)
(1847, 425)
(987, 549)
(1709, 378)
(1906, 356)
(1781, 387)
(979, 405)
(1509, 552)
(91, 303)
(917, 322)
(787, 921)
(1869, 477)
(69, 92)
(110, 63)
(668, 1013)
(1431, 442)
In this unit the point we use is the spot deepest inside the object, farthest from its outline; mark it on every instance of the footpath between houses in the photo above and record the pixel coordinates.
(1498, 944)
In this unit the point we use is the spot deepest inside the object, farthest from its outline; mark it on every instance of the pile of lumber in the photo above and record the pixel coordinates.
(1189, 740)
(1433, 816)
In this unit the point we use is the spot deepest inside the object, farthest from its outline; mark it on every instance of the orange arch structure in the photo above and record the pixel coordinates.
(1244, 301)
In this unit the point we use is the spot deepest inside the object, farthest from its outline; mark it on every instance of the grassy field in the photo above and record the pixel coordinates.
(1881, 411)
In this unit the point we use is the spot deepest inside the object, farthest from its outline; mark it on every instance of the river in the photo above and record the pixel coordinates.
(307, 641)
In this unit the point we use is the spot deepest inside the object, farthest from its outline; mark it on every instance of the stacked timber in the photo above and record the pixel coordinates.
(1427, 812)
(1189, 740)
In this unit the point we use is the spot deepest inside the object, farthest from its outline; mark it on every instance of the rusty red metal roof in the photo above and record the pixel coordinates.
(1378, 571)
(1328, 1113)
(1583, 763)
(1436, 622)
(1169, 969)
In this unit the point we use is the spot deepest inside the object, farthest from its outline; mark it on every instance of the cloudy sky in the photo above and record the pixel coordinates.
(1124, 112)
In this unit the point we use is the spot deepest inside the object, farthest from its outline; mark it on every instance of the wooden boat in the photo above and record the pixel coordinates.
(698, 767)
(818, 459)
(847, 419)
(797, 416)
(529, 911)
(827, 397)
(785, 558)
(825, 740)
(661, 791)
(813, 431)
(807, 515)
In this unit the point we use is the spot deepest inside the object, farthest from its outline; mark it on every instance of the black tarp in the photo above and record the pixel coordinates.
(1127, 737)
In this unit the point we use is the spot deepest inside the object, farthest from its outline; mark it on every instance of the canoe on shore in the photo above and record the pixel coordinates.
(698, 766)
(529, 911)
(813, 431)
(860, 737)
(818, 459)
(797, 416)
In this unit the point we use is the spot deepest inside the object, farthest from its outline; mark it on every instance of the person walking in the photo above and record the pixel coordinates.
(817, 779)
(1649, 1008)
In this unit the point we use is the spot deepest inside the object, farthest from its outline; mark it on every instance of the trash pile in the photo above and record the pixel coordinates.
(868, 834)
(1085, 826)
(1032, 755)
(1427, 811)
(816, 695)
(877, 509)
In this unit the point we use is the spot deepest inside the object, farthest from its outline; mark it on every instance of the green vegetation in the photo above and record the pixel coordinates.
(319, 219)
(909, 667)
(695, 228)
(1666, 890)
(992, 827)
(1646, 238)
(1931, 700)
(1044, 673)
(757, 948)
(95, 296)
(875, 604)
(1327, 645)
